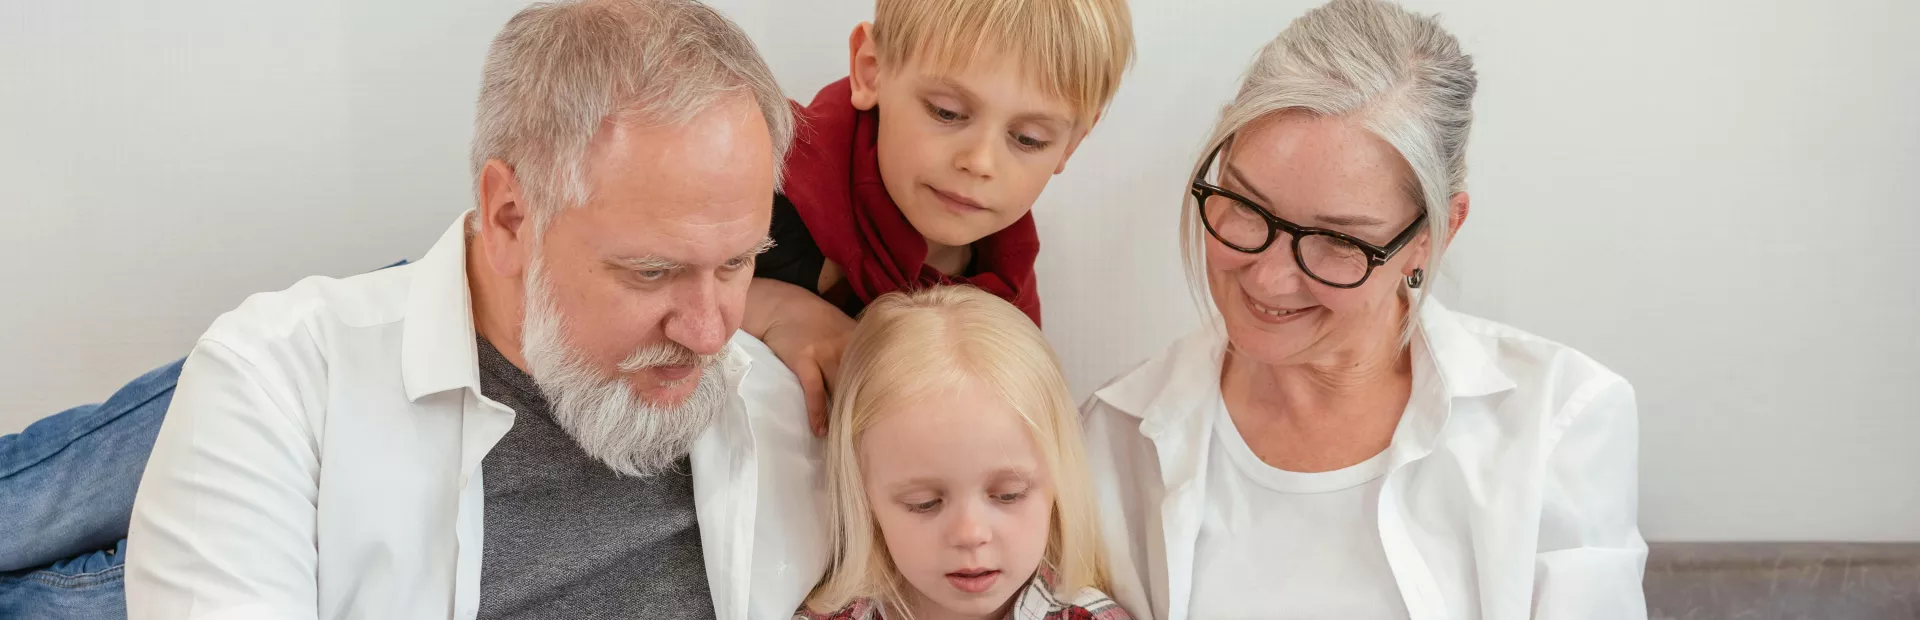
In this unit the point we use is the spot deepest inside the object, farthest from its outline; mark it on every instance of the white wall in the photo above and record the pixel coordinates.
(1712, 197)
(161, 161)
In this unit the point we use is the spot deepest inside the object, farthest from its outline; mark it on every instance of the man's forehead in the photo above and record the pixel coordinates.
(699, 193)
(724, 148)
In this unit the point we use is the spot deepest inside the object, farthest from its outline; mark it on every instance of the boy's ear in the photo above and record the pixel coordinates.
(1073, 144)
(863, 70)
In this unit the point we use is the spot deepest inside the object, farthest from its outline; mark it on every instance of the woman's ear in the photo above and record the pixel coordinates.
(504, 228)
(863, 70)
(1457, 208)
(1418, 253)
(1421, 250)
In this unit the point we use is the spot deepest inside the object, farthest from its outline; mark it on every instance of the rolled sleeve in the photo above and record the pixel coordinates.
(1591, 556)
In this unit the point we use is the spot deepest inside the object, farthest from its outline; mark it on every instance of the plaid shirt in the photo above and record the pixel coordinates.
(1034, 602)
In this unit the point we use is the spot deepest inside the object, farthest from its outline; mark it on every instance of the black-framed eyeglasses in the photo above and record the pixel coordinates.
(1331, 257)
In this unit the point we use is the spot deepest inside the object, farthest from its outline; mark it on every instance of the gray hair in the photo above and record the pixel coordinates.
(558, 70)
(1398, 73)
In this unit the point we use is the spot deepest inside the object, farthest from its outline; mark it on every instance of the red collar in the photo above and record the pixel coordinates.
(833, 180)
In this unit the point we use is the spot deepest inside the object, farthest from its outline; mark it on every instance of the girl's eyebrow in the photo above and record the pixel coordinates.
(1010, 473)
(916, 484)
(1003, 474)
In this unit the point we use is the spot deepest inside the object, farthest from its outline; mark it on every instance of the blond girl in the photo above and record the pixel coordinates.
(954, 458)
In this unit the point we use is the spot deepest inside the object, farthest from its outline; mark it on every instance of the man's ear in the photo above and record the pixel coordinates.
(1457, 207)
(863, 67)
(506, 223)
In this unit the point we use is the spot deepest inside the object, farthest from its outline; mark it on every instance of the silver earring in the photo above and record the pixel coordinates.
(1419, 277)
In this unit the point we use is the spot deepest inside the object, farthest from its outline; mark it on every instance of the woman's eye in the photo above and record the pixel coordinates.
(944, 115)
(1008, 498)
(923, 507)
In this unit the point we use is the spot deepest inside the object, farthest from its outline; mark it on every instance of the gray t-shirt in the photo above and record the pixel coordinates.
(566, 537)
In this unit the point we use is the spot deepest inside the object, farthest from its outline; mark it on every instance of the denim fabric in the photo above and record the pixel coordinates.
(69, 480)
(87, 587)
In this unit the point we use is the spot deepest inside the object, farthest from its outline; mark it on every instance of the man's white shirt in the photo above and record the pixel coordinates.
(321, 459)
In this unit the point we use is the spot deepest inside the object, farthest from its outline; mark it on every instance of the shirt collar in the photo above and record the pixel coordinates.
(1177, 380)
(1185, 376)
(1465, 366)
(1036, 600)
(437, 347)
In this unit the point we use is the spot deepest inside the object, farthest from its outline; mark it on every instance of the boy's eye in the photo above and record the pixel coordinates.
(944, 115)
(1030, 143)
(923, 507)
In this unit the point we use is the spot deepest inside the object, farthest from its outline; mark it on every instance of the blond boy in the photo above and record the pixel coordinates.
(922, 166)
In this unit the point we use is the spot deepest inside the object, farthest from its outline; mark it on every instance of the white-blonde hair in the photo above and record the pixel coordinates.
(911, 346)
(1397, 73)
(1075, 50)
(557, 71)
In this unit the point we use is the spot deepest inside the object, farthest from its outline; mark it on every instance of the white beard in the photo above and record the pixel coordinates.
(603, 413)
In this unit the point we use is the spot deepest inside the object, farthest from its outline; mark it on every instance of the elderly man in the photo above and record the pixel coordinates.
(550, 414)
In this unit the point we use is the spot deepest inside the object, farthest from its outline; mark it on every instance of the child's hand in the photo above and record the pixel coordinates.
(807, 333)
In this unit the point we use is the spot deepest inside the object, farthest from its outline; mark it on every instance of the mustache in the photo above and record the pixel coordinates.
(668, 354)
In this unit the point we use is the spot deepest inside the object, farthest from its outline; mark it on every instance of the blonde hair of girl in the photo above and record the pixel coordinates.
(912, 346)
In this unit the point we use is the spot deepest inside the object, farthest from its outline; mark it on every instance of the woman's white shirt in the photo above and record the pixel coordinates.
(1276, 544)
(1510, 488)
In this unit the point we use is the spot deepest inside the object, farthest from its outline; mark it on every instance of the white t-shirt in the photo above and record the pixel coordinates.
(1282, 544)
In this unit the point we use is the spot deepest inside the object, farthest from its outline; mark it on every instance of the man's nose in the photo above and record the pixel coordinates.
(697, 320)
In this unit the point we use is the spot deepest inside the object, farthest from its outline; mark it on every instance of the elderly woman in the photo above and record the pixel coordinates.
(1337, 444)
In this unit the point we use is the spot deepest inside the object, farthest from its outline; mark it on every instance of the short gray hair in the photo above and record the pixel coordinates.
(1398, 73)
(558, 70)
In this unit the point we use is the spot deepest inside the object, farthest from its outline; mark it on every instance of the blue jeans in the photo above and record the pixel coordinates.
(68, 482)
(86, 587)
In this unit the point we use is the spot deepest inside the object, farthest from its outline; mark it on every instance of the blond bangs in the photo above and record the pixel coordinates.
(1074, 50)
